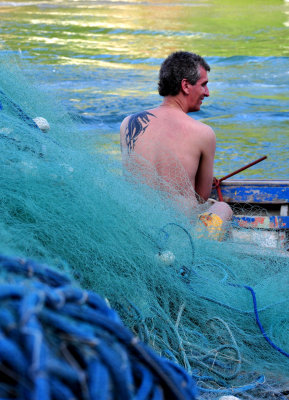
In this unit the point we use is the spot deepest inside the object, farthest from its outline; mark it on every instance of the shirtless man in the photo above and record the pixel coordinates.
(183, 83)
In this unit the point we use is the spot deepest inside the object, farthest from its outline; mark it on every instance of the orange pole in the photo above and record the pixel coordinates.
(242, 169)
(218, 181)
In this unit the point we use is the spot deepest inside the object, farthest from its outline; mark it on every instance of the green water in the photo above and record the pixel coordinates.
(102, 59)
(74, 32)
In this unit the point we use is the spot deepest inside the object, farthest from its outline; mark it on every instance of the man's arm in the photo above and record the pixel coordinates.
(204, 176)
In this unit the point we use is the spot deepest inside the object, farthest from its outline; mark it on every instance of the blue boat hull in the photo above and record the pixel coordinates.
(255, 191)
(262, 205)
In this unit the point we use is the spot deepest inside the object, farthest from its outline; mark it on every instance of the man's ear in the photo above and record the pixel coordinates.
(185, 86)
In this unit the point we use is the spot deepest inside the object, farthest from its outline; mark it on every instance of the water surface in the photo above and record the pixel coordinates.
(102, 60)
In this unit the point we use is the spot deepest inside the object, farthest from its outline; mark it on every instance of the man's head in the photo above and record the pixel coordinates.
(178, 66)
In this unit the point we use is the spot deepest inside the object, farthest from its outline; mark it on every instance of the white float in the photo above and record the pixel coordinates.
(42, 124)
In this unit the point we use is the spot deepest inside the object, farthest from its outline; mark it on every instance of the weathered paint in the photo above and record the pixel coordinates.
(266, 230)
(263, 222)
(255, 192)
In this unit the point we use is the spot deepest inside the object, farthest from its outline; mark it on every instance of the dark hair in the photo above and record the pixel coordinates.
(176, 67)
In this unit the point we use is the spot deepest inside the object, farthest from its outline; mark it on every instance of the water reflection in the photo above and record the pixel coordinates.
(61, 31)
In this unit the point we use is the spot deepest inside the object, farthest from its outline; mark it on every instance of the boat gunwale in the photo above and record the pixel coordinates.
(254, 182)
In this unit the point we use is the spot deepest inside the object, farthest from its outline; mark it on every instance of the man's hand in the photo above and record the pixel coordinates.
(215, 181)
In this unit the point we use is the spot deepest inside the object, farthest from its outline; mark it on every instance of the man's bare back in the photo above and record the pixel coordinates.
(166, 136)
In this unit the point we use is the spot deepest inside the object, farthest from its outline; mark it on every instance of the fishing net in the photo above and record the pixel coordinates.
(219, 309)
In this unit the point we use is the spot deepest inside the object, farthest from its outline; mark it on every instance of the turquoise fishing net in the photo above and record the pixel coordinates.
(66, 203)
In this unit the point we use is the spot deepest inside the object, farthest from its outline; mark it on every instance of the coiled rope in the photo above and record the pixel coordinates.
(60, 342)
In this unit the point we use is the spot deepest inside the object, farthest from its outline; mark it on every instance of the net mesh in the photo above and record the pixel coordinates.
(199, 302)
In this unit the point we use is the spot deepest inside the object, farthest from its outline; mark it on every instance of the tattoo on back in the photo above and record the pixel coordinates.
(136, 126)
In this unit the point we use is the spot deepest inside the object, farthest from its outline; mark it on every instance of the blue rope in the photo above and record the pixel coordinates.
(272, 344)
(235, 390)
(57, 341)
(189, 236)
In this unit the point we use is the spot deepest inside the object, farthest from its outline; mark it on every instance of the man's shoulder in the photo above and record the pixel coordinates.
(140, 117)
(200, 128)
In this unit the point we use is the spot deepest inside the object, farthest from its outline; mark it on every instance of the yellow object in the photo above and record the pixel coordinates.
(213, 224)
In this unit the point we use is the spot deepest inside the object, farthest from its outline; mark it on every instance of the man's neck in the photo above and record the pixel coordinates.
(174, 102)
